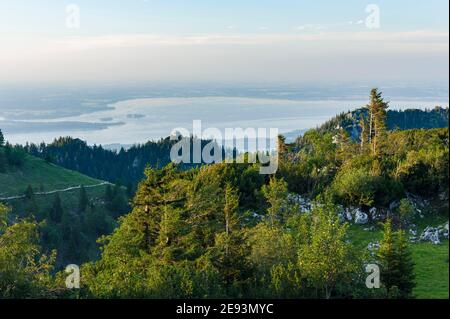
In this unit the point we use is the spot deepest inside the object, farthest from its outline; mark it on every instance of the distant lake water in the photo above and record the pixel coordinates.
(140, 120)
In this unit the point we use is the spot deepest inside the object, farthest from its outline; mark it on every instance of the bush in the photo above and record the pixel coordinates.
(355, 187)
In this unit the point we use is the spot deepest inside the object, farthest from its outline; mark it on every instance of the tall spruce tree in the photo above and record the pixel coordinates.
(377, 120)
(31, 207)
(229, 248)
(56, 211)
(364, 132)
(276, 195)
(406, 280)
(397, 267)
(83, 201)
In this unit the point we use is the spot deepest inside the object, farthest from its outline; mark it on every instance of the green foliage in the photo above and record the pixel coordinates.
(31, 207)
(60, 210)
(223, 230)
(15, 156)
(83, 201)
(24, 269)
(397, 267)
(276, 195)
(57, 211)
(312, 168)
(406, 211)
(355, 187)
(326, 259)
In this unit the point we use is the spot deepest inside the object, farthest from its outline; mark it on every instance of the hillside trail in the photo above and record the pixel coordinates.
(56, 191)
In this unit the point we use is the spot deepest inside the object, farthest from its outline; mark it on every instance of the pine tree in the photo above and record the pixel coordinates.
(2, 139)
(377, 123)
(276, 195)
(406, 280)
(83, 201)
(56, 211)
(229, 247)
(119, 203)
(230, 209)
(30, 202)
(282, 148)
(364, 132)
(397, 273)
(344, 145)
(387, 258)
(108, 197)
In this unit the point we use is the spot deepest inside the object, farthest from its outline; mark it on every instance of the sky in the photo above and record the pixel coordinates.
(139, 41)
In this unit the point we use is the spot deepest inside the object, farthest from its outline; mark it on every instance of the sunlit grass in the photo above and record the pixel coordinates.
(431, 261)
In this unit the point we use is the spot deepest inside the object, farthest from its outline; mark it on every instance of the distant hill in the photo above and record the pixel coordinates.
(401, 120)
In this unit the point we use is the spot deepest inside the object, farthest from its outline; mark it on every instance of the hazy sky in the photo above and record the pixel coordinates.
(133, 41)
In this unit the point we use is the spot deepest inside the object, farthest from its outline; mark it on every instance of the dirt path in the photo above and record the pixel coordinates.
(56, 191)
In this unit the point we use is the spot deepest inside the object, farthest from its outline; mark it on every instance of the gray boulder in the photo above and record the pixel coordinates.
(361, 218)
(431, 234)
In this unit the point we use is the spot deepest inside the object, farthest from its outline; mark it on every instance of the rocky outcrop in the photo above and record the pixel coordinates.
(304, 204)
(361, 218)
(435, 235)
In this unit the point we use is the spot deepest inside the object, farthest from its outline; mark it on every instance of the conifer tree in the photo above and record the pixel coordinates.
(276, 195)
(364, 132)
(229, 248)
(377, 122)
(387, 257)
(397, 268)
(406, 280)
(282, 148)
(83, 201)
(230, 209)
(56, 211)
(31, 206)
(108, 197)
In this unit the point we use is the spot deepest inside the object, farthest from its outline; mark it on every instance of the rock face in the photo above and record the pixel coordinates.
(348, 215)
(361, 218)
(435, 234)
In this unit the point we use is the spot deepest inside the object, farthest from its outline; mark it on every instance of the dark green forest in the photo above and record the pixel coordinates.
(225, 231)
(124, 167)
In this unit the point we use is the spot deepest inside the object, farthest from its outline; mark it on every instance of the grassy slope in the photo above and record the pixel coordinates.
(432, 268)
(42, 176)
(45, 177)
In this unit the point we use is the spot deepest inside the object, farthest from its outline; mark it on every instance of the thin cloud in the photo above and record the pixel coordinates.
(139, 40)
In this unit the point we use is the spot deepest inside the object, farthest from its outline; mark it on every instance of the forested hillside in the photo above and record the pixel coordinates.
(224, 231)
(395, 120)
(124, 167)
(73, 209)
